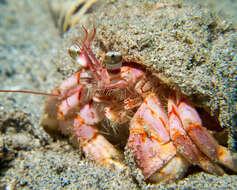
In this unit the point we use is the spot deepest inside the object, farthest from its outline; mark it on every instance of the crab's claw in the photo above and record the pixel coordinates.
(151, 145)
(194, 141)
(94, 145)
(72, 93)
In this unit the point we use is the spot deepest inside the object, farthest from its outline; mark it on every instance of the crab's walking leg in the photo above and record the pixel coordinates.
(202, 138)
(184, 144)
(186, 129)
(150, 142)
(93, 144)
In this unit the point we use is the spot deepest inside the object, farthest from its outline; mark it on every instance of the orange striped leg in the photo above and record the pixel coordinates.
(150, 143)
(93, 144)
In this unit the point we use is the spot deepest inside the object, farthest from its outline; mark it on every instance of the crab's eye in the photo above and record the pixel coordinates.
(113, 61)
(74, 52)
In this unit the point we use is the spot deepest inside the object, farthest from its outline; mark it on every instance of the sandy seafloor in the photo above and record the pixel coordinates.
(29, 157)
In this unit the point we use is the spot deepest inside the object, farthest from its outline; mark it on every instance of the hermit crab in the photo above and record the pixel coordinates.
(163, 142)
(166, 134)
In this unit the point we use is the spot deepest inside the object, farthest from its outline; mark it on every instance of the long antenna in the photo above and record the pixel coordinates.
(30, 92)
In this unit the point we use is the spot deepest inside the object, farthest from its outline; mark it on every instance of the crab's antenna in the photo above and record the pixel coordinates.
(31, 92)
(76, 41)
(98, 65)
(88, 60)
(86, 34)
(87, 47)
(92, 37)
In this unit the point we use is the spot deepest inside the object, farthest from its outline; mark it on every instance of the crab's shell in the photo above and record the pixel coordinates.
(189, 48)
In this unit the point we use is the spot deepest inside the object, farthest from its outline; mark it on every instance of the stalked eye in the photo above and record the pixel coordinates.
(74, 51)
(113, 60)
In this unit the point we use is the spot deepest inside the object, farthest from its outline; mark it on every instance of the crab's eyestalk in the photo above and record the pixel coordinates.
(74, 52)
(113, 61)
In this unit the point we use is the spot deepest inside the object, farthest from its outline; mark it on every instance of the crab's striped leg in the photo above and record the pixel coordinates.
(150, 142)
(93, 144)
(202, 138)
(194, 141)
